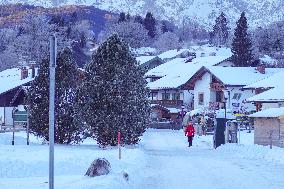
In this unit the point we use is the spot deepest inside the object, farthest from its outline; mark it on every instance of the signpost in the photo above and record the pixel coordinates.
(119, 146)
(28, 127)
(20, 117)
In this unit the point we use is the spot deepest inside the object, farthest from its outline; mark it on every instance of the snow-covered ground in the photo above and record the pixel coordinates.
(162, 161)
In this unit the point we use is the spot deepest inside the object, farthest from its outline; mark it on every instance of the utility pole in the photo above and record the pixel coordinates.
(51, 109)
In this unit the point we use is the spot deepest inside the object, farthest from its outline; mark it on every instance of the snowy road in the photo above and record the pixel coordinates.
(172, 165)
(161, 161)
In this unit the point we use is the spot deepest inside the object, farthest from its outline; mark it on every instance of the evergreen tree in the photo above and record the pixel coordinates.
(57, 20)
(122, 17)
(211, 37)
(128, 17)
(67, 126)
(113, 96)
(220, 31)
(138, 19)
(242, 45)
(150, 24)
(265, 43)
(277, 45)
(74, 18)
(164, 27)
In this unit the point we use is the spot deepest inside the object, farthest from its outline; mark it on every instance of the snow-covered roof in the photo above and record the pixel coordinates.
(143, 59)
(166, 68)
(269, 82)
(272, 95)
(209, 51)
(204, 50)
(240, 76)
(171, 53)
(11, 78)
(268, 60)
(144, 51)
(174, 80)
(271, 112)
(177, 72)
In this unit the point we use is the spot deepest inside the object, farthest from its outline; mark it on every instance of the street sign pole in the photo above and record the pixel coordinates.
(28, 127)
(119, 146)
(51, 109)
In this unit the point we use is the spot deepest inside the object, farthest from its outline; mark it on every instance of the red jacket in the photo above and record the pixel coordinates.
(189, 131)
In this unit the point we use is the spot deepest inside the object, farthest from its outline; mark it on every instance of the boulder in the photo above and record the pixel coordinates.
(125, 175)
(99, 167)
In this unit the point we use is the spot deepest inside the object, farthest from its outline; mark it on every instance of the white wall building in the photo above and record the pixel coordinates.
(11, 82)
(212, 85)
(269, 92)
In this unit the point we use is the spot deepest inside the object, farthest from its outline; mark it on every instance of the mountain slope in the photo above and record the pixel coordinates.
(259, 12)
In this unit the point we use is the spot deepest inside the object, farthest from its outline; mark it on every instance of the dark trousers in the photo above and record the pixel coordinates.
(190, 138)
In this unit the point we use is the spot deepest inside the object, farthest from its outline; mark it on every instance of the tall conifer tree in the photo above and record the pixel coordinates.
(242, 45)
(113, 96)
(68, 128)
(220, 31)
(122, 17)
(150, 24)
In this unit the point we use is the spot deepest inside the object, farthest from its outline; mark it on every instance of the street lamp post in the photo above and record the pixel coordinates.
(51, 109)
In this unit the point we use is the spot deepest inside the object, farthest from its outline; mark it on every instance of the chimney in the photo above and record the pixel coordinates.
(33, 71)
(32, 67)
(24, 73)
(261, 69)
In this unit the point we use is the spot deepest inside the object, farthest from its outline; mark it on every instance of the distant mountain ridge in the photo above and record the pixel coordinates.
(13, 14)
(259, 12)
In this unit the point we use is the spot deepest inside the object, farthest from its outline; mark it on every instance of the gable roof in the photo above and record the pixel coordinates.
(177, 72)
(11, 78)
(271, 112)
(173, 81)
(236, 76)
(240, 76)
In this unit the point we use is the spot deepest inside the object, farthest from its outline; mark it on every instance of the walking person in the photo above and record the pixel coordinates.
(189, 132)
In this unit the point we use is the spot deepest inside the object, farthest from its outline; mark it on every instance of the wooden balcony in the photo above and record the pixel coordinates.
(168, 102)
(216, 86)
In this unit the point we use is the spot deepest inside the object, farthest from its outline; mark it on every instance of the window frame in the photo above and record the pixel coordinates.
(199, 99)
(237, 96)
(175, 95)
(166, 95)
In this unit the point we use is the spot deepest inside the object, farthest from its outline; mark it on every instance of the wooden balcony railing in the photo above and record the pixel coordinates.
(168, 102)
(216, 86)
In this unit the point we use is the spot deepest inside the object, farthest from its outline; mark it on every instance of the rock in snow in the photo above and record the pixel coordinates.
(99, 167)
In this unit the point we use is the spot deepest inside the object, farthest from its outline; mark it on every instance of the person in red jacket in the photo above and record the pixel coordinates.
(189, 132)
